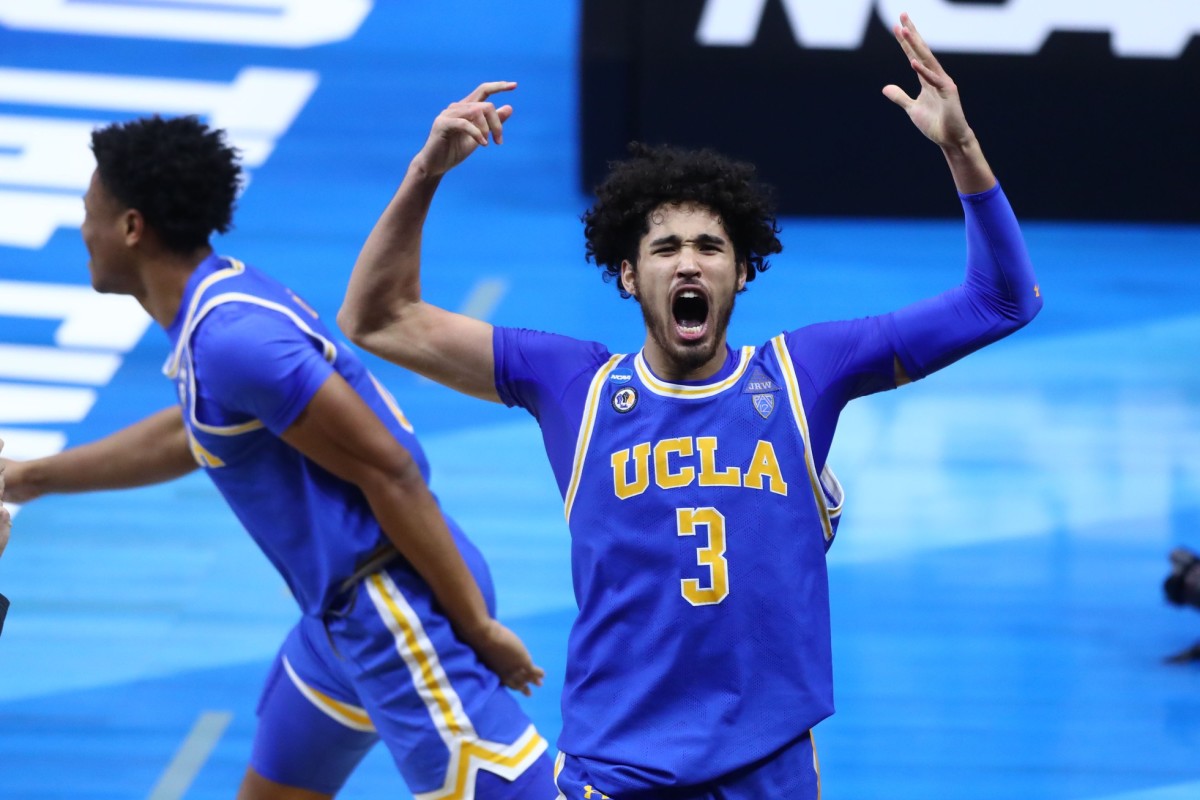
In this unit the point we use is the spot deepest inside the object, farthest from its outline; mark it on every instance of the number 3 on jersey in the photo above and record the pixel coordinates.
(711, 555)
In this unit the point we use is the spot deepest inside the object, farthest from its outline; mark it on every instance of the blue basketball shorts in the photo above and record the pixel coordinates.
(385, 665)
(791, 772)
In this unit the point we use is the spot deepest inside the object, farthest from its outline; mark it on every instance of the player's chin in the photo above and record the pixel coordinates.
(694, 353)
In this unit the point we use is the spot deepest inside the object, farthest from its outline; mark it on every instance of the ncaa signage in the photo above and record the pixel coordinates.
(1086, 108)
(1152, 28)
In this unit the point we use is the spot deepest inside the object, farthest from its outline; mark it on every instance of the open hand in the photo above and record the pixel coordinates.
(464, 126)
(936, 111)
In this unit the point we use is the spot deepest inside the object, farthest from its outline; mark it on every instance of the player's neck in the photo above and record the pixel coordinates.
(673, 369)
(164, 279)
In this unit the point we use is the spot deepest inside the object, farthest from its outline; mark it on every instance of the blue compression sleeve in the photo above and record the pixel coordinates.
(999, 295)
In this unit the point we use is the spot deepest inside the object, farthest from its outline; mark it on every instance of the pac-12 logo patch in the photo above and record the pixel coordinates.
(624, 400)
(622, 375)
(764, 404)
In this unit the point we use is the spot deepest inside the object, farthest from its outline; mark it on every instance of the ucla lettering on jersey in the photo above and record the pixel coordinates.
(688, 513)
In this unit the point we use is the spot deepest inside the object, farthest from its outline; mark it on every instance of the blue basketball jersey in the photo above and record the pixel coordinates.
(699, 523)
(248, 356)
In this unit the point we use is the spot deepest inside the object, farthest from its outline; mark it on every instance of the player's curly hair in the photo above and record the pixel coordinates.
(179, 173)
(652, 176)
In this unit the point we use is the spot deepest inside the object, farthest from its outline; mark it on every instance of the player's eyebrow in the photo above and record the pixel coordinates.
(704, 238)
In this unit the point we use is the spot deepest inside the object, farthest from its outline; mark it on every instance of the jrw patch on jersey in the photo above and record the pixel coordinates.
(759, 382)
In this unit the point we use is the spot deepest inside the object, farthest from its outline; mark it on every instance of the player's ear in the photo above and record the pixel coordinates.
(742, 267)
(133, 226)
(629, 277)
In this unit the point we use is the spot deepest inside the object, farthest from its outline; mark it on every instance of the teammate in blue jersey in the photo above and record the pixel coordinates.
(694, 474)
(397, 640)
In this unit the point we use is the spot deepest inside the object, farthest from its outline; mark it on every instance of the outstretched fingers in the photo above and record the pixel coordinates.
(919, 55)
(485, 90)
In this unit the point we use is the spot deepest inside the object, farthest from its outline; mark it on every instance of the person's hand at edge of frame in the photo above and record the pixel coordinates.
(506, 655)
(5, 517)
(463, 127)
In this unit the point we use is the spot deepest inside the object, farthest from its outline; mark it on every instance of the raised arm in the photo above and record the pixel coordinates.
(1000, 293)
(151, 451)
(383, 311)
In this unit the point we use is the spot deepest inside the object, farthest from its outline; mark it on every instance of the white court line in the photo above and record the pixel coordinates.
(482, 300)
(177, 778)
(28, 362)
(1181, 791)
(484, 297)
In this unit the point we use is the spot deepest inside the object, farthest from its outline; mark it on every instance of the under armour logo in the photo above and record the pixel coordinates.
(590, 791)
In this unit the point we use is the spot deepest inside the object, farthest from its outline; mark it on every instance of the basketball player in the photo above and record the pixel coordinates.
(397, 640)
(693, 473)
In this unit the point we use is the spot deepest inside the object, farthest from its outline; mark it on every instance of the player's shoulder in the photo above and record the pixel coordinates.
(238, 325)
(541, 344)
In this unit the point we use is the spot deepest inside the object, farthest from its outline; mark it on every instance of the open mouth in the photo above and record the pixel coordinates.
(690, 310)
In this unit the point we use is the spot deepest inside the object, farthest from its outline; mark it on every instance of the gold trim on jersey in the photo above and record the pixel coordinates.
(585, 431)
(349, 715)
(392, 405)
(666, 389)
(816, 762)
(509, 763)
(468, 752)
(560, 761)
(818, 482)
(171, 368)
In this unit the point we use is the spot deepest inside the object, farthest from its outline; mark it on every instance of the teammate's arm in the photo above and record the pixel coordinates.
(383, 311)
(340, 432)
(151, 451)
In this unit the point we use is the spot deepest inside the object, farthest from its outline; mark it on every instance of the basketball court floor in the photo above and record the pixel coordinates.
(999, 622)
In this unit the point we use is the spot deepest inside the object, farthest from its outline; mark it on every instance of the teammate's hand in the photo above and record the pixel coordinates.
(464, 126)
(14, 488)
(936, 111)
(505, 654)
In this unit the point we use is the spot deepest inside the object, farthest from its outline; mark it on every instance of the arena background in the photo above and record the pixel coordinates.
(999, 622)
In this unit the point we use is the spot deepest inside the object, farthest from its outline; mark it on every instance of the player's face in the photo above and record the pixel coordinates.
(685, 281)
(105, 232)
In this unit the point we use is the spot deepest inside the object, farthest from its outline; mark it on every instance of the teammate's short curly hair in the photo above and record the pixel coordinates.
(653, 176)
(179, 173)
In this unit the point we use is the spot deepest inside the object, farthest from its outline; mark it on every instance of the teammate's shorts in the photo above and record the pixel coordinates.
(791, 772)
(385, 664)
